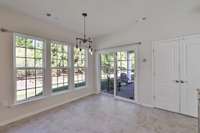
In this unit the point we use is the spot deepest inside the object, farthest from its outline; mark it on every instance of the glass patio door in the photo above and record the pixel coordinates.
(125, 74)
(107, 75)
(118, 74)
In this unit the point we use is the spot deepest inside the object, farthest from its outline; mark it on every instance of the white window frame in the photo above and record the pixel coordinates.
(67, 67)
(15, 68)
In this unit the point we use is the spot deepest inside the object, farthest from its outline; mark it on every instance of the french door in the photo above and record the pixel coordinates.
(166, 75)
(118, 73)
(177, 74)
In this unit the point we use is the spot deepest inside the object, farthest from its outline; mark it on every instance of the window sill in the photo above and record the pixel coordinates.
(30, 100)
(80, 88)
(61, 92)
(47, 96)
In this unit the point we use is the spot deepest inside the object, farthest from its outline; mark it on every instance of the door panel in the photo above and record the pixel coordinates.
(166, 73)
(190, 74)
(107, 73)
(126, 74)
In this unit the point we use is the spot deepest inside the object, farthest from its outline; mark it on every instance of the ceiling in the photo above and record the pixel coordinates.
(104, 16)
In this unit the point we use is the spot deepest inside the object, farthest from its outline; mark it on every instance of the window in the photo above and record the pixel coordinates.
(59, 66)
(29, 67)
(80, 67)
(37, 72)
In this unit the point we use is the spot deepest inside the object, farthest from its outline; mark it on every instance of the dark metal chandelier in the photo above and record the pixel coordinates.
(84, 42)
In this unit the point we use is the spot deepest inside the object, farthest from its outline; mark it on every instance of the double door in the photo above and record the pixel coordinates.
(118, 74)
(177, 74)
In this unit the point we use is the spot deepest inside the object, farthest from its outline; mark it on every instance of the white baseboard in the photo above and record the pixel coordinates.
(146, 105)
(2, 124)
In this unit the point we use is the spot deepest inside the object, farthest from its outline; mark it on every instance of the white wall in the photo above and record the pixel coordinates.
(162, 26)
(25, 24)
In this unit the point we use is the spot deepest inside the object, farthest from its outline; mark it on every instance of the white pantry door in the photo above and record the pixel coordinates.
(166, 76)
(190, 75)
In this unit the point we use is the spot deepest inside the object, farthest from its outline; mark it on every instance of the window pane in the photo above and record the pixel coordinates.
(30, 53)
(21, 74)
(81, 63)
(30, 93)
(39, 91)
(39, 73)
(54, 80)
(60, 79)
(79, 77)
(59, 63)
(59, 48)
(20, 52)
(65, 63)
(38, 62)
(30, 62)
(79, 58)
(30, 73)
(54, 86)
(20, 41)
(39, 82)
(54, 72)
(66, 79)
(21, 84)
(38, 54)
(65, 49)
(29, 43)
(21, 95)
(20, 62)
(54, 75)
(60, 56)
(54, 63)
(31, 83)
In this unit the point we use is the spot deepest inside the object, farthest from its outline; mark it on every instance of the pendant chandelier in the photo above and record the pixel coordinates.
(84, 42)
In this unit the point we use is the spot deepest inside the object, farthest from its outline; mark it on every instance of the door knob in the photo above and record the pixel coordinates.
(177, 81)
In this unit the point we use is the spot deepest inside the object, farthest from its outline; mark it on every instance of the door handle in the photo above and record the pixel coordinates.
(182, 82)
(177, 81)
